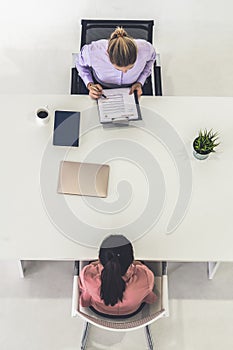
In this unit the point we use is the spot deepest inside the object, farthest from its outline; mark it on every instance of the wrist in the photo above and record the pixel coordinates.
(89, 85)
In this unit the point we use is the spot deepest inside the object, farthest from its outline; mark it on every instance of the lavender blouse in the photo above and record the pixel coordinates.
(94, 57)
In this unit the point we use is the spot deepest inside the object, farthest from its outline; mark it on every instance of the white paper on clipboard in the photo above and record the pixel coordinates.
(119, 104)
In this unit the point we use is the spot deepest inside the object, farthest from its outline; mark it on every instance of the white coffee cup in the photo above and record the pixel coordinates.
(42, 115)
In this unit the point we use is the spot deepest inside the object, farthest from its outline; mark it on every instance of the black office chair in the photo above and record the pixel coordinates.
(93, 30)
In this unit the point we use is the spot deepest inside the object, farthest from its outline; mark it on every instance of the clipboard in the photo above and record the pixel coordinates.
(119, 108)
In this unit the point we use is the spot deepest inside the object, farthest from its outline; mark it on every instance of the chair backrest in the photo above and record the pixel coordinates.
(149, 313)
(93, 30)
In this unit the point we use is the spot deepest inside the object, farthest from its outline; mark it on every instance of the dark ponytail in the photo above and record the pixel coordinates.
(112, 284)
(116, 255)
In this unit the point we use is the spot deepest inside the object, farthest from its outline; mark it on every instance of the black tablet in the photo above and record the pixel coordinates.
(66, 128)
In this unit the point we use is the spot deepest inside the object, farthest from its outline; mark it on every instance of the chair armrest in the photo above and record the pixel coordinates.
(77, 85)
(76, 268)
(158, 84)
(75, 297)
(74, 54)
(147, 89)
(74, 81)
(164, 268)
(158, 60)
(165, 304)
(157, 76)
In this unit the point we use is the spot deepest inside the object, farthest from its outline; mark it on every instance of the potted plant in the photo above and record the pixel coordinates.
(205, 143)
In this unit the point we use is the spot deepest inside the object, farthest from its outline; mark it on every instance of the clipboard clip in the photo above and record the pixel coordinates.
(121, 120)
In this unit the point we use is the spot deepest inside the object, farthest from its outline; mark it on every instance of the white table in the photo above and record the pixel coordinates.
(32, 215)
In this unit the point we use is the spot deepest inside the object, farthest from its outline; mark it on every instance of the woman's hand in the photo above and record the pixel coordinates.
(95, 90)
(137, 87)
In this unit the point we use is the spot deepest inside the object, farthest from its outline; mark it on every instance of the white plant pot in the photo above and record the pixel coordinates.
(200, 156)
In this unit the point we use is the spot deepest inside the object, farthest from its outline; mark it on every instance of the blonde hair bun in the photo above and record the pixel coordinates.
(118, 33)
(122, 49)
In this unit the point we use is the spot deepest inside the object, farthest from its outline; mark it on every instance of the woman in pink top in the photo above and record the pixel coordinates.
(116, 284)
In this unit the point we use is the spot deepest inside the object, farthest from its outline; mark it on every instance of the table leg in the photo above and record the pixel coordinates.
(212, 267)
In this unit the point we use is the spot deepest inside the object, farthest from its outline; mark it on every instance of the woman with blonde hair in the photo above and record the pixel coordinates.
(118, 62)
(116, 285)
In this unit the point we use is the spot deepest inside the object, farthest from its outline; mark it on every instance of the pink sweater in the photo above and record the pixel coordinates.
(139, 285)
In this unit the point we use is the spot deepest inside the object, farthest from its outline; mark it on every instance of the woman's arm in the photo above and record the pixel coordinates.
(85, 297)
(150, 54)
(151, 297)
(83, 65)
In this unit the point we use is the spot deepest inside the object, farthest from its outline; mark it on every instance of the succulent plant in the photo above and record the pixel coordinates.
(205, 142)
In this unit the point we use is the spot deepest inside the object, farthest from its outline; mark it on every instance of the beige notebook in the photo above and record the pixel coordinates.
(85, 179)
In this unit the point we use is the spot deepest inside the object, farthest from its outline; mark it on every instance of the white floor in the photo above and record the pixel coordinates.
(37, 39)
(193, 37)
(35, 311)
